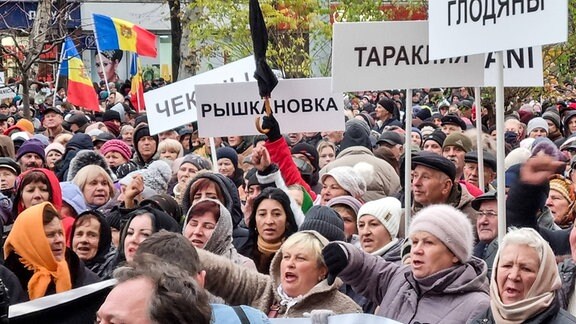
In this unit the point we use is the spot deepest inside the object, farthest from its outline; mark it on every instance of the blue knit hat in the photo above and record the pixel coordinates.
(31, 146)
(228, 153)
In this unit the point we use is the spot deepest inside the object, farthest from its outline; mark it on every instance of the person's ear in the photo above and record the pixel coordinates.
(201, 278)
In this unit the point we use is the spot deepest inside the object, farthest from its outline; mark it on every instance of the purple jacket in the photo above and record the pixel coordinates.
(455, 295)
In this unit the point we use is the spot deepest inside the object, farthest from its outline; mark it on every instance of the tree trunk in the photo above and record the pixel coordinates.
(176, 25)
(189, 60)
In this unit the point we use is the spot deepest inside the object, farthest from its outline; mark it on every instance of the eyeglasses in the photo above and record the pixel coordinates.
(487, 213)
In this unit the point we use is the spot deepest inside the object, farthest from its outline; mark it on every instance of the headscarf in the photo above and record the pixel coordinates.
(55, 190)
(104, 241)
(28, 240)
(539, 297)
(220, 242)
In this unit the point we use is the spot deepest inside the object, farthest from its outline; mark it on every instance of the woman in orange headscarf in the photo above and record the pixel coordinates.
(36, 252)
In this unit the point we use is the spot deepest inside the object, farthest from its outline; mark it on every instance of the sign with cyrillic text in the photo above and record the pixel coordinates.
(7, 93)
(522, 68)
(395, 56)
(466, 27)
(174, 105)
(299, 105)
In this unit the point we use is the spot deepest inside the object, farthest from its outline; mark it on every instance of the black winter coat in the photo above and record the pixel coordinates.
(552, 315)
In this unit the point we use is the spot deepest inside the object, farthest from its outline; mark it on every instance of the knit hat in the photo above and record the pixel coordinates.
(357, 133)
(417, 131)
(349, 201)
(199, 162)
(349, 179)
(437, 136)
(157, 176)
(387, 104)
(72, 195)
(140, 131)
(25, 125)
(55, 147)
(564, 187)
(553, 116)
(459, 140)
(309, 151)
(88, 157)
(116, 145)
(387, 210)
(325, 221)
(10, 164)
(537, 122)
(367, 118)
(228, 153)
(31, 146)
(111, 115)
(516, 156)
(449, 225)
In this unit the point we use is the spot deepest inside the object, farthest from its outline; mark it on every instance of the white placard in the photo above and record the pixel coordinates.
(174, 105)
(2, 80)
(7, 93)
(465, 27)
(522, 68)
(394, 55)
(299, 105)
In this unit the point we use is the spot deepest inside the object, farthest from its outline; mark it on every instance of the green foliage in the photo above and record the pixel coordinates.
(300, 31)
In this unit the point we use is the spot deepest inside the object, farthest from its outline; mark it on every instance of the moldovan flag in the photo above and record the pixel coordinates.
(114, 33)
(80, 90)
(137, 89)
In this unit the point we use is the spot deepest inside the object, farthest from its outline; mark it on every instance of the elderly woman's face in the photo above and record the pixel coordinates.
(186, 172)
(331, 189)
(55, 236)
(35, 193)
(299, 270)
(558, 205)
(429, 255)
(96, 191)
(85, 239)
(517, 270)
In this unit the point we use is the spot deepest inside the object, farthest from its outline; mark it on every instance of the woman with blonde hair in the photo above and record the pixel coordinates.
(170, 150)
(96, 186)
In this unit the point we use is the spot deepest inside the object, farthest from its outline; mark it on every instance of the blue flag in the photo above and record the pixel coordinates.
(68, 52)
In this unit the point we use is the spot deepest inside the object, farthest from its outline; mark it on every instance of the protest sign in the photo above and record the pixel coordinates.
(466, 27)
(395, 56)
(522, 68)
(7, 93)
(174, 105)
(299, 105)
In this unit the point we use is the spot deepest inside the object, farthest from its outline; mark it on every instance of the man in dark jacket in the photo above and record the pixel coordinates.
(486, 228)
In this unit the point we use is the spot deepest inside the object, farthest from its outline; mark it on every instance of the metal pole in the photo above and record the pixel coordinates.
(480, 138)
(101, 62)
(58, 71)
(500, 147)
(213, 155)
(408, 162)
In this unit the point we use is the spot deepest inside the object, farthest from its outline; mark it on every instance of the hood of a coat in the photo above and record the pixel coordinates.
(221, 240)
(229, 190)
(275, 273)
(104, 241)
(56, 192)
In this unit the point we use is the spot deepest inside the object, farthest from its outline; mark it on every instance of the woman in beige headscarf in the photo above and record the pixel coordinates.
(524, 282)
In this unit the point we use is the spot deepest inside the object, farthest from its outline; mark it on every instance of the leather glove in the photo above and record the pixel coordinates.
(336, 260)
(319, 316)
(270, 123)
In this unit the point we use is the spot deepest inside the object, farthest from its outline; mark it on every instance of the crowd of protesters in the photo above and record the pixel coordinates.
(294, 224)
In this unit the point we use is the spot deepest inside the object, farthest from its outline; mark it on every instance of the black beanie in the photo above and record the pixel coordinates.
(325, 221)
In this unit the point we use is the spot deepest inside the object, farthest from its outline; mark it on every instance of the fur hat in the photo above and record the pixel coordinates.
(31, 146)
(88, 157)
(449, 225)
(116, 145)
(351, 179)
(387, 210)
(325, 221)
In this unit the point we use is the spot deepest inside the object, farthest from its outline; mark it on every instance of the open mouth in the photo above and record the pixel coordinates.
(197, 243)
(290, 277)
